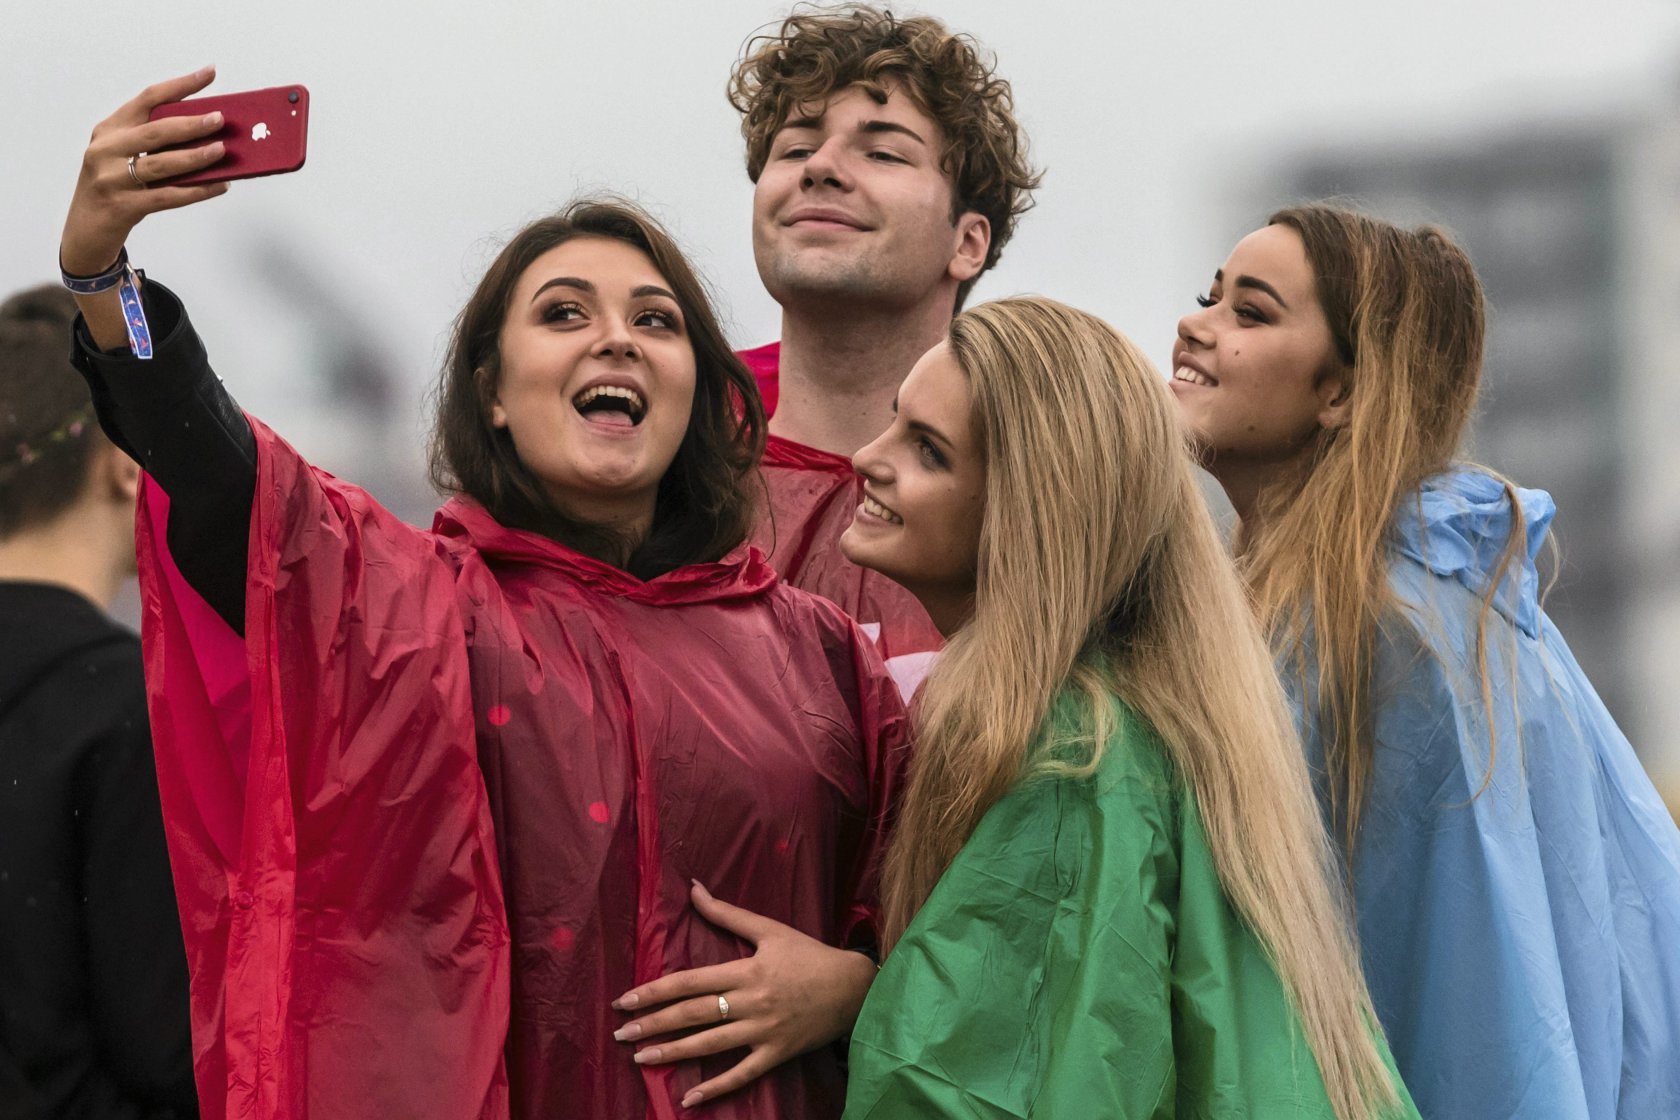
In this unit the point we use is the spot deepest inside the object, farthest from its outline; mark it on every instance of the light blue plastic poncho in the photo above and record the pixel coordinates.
(1523, 945)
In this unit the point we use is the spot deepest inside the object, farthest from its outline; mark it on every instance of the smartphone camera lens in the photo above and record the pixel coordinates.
(292, 97)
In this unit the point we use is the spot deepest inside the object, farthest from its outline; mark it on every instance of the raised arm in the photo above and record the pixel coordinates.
(121, 183)
(329, 831)
(167, 411)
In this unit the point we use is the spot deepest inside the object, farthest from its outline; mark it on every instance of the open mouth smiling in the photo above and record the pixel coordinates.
(876, 509)
(611, 404)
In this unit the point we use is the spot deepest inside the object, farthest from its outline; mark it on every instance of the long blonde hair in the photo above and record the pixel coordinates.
(1407, 313)
(1100, 566)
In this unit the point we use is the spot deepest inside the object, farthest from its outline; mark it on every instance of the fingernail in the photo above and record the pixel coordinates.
(205, 71)
(213, 118)
(626, 1033)
(694, 1097)
(624, 1003)
(651, 1054)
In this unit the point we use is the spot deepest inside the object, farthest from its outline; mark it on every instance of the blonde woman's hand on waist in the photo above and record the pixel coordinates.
(791, 996)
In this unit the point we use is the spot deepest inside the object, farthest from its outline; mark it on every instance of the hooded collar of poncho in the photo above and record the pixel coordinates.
(1457, 525)
(743, 573)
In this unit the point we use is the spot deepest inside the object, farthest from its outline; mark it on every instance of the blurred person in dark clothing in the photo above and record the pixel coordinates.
(93, 977)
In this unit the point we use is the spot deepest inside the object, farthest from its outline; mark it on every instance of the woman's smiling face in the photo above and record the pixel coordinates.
(596, 380)
(1255, 371)
(924, 484)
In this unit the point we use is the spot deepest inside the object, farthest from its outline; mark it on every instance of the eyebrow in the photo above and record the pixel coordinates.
(1253, 282)
(868, 128)
(583, 285)
(876, 127)
(564, 282)
(926, 429)
(930, 430)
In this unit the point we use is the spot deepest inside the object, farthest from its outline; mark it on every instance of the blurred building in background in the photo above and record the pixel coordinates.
(317, 369)
(1575, 229)
(344, 402)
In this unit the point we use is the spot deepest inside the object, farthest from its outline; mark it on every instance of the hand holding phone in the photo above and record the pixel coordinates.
(158, 152)
(264, 132)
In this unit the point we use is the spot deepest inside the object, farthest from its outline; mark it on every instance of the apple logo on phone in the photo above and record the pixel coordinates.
(260, 131)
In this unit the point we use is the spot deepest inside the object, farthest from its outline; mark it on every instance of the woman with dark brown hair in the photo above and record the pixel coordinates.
(437, 798)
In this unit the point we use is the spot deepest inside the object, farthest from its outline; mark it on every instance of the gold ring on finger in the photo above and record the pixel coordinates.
(134, 171)
(723, 1006)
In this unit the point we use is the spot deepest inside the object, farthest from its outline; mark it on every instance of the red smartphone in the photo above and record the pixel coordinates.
(266, 132)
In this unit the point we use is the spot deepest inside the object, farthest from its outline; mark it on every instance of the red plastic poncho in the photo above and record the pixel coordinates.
(813, 495)
(418, 703)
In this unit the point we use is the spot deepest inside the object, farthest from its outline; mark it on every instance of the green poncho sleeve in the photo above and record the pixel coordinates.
(1080, 959)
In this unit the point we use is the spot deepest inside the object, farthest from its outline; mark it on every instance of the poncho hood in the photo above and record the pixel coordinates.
(1458, 524)
(743, 573)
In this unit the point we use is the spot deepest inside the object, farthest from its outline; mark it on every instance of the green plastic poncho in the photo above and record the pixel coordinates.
(1080, 959)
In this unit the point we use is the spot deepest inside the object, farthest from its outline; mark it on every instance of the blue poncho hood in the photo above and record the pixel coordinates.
(1518, 907)
(1458, 525)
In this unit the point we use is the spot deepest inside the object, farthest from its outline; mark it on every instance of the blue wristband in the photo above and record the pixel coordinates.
(134, 315)
(127, 282)
(94, 285)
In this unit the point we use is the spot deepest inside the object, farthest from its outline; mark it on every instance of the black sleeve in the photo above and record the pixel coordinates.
(173, 416)
(136, 964)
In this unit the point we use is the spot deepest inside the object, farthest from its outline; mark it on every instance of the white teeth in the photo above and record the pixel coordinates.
(582, 400)
(1185, 373)
(870, 505)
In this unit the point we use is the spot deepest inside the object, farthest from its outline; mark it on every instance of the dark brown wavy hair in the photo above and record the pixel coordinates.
(705, 501)
(819, 51)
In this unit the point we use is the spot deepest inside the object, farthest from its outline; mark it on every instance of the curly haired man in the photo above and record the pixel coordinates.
(889, 173)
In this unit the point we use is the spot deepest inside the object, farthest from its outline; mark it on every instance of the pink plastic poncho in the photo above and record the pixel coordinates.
(445, 800)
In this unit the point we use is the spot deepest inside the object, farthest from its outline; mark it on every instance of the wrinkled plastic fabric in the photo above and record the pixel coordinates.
(1080, 959)
(1522, 945)
(812, 497)
(445, 801)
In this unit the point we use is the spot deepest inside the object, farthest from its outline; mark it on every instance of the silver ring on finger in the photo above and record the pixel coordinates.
(134, 171)
(723, 1006)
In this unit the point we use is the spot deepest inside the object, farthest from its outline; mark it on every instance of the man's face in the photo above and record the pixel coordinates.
(853, 207)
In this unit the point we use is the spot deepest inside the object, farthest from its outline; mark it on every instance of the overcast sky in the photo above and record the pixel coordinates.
(437, 129)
